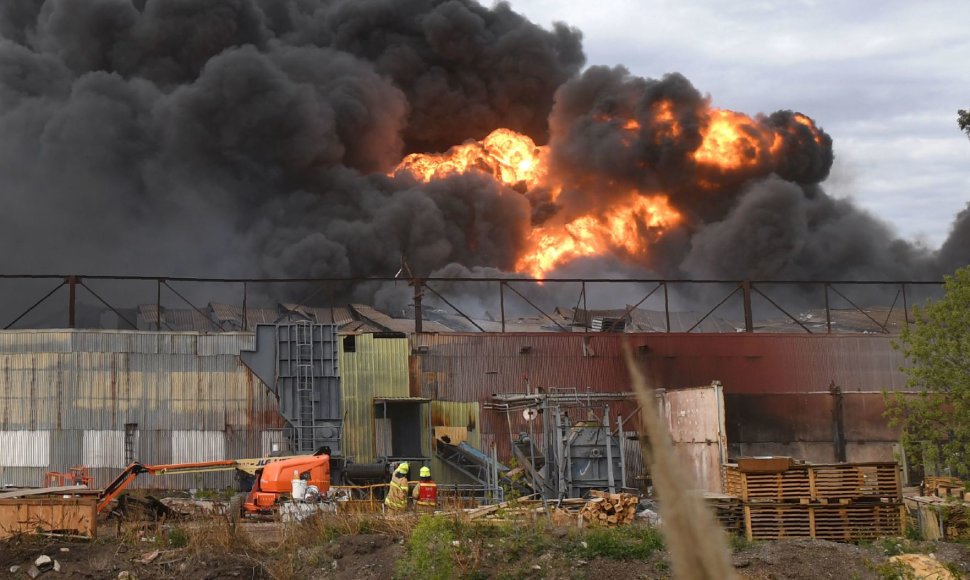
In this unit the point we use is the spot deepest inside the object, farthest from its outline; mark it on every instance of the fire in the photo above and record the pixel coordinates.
(627, 228)
(510, 157)
(729, 142)
(628, 223)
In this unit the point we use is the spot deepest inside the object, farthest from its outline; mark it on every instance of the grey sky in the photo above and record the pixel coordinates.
(883, 79)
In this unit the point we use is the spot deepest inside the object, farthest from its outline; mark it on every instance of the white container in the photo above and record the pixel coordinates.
(299, 486)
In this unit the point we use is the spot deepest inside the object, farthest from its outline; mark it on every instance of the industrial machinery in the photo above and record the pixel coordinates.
(273, 483)
(571, 447)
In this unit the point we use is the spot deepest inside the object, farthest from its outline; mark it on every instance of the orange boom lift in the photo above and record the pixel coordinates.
(273, 483)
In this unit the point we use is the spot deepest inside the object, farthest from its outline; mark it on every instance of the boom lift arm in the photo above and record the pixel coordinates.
(124, 479)
(273, 472)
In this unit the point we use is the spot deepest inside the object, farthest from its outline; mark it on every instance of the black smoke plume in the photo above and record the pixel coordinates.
(255, 137)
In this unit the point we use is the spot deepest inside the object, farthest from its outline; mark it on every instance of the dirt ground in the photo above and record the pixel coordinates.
(373, 556)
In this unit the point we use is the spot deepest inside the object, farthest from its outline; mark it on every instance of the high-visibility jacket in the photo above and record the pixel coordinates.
(426, 493)
(397, 494)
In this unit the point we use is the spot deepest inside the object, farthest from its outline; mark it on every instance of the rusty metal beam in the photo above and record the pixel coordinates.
(666, 306)
(542, 312)
(418, 308)
(105, 302)
(905, 305)
(453, 307)
(158, 306)
(890, 313)
(245, 308)
(773, 303)
(857, 307)
(470, 279)
(828, 311)
(187, 301)
(35, 305)
(72, 302)
(642, 300)
(501, 303)
(746, 300)
(711, 311)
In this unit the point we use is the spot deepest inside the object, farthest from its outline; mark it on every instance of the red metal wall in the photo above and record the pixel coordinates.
(775, 384)
(470, 367)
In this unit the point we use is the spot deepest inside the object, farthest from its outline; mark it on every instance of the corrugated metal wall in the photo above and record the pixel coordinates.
(67, 396)
(470, 367)
(378, 367)
(473, 367)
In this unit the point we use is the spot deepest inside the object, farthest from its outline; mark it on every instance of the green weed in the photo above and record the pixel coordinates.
(430, 550)
(623, 543)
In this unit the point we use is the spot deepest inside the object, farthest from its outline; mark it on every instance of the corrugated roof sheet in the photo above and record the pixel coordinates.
(378, 318)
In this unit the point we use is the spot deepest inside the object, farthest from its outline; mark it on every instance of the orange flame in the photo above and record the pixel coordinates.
(510, 157)
(628, 228)
(730, 141)
(515, 160)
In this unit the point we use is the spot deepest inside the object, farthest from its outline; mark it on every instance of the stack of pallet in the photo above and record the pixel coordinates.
(840, 502)
(612, 509)
(728, 510)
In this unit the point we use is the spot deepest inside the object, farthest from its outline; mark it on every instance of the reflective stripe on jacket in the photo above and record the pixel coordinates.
(397, 493)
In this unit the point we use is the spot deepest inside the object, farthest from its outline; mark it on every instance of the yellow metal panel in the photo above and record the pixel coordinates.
(455, 415)
(378, 367)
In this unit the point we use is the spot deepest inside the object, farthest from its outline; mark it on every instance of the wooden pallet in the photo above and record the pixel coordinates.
(829, 483)
(727, 509)
(843, 523)
(792, 485)
(856, 481)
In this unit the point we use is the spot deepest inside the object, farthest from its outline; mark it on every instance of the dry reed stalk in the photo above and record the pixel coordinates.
(697, 544)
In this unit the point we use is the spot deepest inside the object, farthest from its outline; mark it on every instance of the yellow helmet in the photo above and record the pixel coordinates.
(425, 471)
(403, 467)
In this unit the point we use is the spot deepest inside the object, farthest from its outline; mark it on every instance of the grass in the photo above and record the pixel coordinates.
(453, 547)
(622, 543)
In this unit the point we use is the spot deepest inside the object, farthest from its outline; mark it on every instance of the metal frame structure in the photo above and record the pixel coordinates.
(745, 288)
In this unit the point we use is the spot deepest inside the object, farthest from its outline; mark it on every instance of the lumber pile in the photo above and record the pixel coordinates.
(612, 509)
(944, 486)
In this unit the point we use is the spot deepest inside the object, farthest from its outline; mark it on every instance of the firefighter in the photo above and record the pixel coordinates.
(425, 492)
(397, 494)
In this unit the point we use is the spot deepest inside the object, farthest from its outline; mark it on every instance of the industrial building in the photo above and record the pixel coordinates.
(103, 398)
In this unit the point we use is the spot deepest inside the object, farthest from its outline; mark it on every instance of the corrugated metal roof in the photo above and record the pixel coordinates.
(387, 323)
(233, 315)
(339, 315)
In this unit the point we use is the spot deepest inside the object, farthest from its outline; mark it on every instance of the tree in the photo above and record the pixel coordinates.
(936, 421)
(963, 118)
